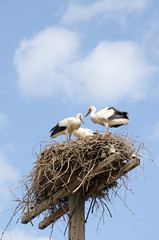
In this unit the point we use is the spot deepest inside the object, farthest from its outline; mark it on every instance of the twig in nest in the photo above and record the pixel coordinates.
(89, 210)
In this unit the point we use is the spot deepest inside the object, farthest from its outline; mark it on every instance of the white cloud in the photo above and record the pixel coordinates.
(42, 62)
(49, 64)
(106, 8)
(3, 121)
(18, 234)
(114, 71)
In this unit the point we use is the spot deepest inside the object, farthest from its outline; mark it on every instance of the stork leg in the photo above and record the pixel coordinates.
(107, 132)
(67, 138)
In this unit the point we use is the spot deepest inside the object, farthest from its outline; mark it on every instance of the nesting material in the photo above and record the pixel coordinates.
(92, 165)
(61, 163)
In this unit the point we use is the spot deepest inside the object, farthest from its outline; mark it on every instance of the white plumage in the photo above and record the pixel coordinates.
(67, 126)
(83, 132)
(108, 117)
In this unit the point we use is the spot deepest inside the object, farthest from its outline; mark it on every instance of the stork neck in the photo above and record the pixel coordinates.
(78, 116)
(93, 111)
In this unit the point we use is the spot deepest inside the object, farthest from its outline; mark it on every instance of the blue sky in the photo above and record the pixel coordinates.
(57, 59)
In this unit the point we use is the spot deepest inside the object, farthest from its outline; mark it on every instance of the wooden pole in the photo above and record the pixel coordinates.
(77, 216)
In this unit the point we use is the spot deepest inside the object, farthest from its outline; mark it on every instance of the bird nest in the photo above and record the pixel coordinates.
(60, 164)
(92, 165)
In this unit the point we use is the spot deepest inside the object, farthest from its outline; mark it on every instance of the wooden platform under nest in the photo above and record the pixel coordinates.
(91, 165)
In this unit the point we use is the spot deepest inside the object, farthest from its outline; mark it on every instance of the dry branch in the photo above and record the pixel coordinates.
(53, 217)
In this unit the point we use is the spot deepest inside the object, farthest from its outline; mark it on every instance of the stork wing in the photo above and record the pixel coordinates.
(57, 129)
(118, 114)
(61, 126)
(66, 122)
(105, 113)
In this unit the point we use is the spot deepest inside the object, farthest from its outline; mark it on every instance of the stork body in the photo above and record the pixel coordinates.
(83, 132)
(108, 117)
(67, 126)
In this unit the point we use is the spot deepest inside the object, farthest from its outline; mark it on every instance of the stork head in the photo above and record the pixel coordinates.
(79, 115)
(91, 109)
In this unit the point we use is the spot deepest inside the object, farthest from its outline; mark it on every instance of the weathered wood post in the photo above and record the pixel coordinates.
(76, 216)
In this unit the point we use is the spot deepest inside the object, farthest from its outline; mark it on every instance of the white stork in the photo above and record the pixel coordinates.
(83, 132)
(108, 117)
(67, 126)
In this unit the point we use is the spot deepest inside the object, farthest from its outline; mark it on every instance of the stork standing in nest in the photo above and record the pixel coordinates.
(108, 117)
(83, 132)
(67, 126)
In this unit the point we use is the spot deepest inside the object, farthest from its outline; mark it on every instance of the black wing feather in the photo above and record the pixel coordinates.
(118, 114)
(57, 129)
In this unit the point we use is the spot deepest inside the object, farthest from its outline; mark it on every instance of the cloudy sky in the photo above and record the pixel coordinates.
(57, 59)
